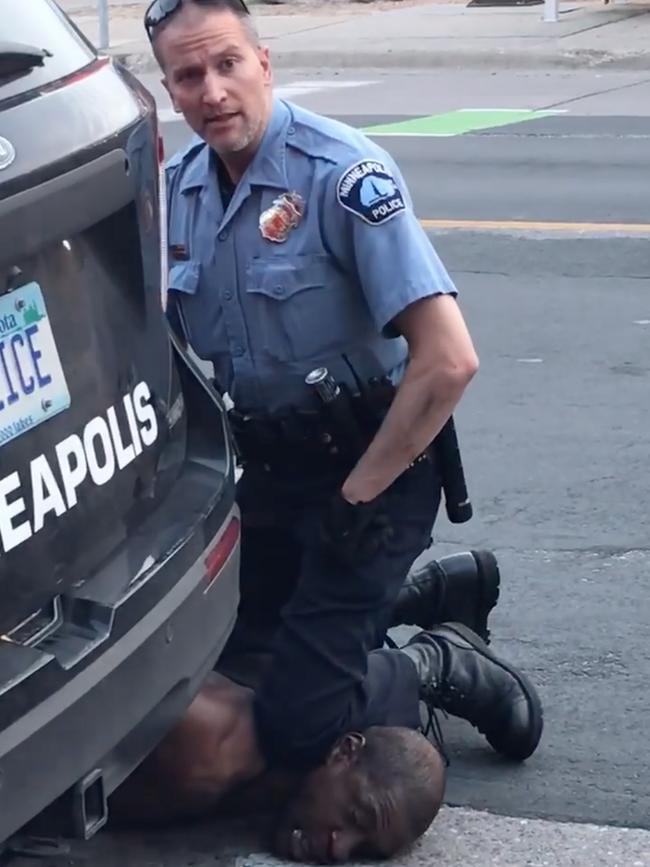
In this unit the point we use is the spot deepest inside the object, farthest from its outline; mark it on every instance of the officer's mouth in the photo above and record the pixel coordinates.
(221, 121)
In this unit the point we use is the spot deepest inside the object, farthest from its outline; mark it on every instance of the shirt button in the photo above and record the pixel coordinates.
(278, 290)
(238, 350)
(291, 130)
(223, 236)
(228, 296)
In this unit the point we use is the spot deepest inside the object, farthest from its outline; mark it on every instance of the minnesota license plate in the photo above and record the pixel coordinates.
(32, 382)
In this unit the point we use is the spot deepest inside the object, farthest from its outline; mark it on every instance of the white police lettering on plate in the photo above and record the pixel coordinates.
(97, 452)
(33, 386)
(368, 190)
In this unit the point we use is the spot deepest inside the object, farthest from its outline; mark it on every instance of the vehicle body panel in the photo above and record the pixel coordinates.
(117, 476)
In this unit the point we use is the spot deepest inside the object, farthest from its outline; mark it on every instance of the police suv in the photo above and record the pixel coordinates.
(119, 534)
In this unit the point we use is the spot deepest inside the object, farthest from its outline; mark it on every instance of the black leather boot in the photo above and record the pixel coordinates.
(462, 676)
(463, 588)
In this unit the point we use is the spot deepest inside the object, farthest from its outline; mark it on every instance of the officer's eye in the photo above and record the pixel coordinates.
(228, 64)
(188, 75)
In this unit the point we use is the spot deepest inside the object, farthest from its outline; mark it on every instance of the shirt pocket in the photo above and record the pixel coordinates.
(290, 301)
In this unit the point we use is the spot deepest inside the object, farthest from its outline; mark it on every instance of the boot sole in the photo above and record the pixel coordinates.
(490, 587)
(532, 698)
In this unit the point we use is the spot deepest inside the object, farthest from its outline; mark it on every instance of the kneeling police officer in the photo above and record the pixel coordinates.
(299, 270)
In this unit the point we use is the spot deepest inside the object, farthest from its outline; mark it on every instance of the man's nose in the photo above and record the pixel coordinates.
(343, 845)
(214, 91)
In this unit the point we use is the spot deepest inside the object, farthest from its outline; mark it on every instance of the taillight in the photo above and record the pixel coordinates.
(162, 197)
(218, 556)
(74, 77)
(91, 69)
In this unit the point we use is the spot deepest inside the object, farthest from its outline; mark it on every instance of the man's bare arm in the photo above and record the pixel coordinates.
(442, 364)
(209, 754)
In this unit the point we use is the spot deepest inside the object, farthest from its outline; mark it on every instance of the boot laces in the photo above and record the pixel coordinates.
(434, 729)
(447, 696)
(438, 697)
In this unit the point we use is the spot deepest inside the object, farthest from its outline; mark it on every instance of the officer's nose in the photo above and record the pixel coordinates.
(214, 91)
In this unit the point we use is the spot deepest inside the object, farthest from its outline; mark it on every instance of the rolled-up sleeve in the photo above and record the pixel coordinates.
(374, 229)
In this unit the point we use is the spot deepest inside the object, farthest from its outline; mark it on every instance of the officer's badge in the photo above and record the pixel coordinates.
(285, 214)
(368, 190)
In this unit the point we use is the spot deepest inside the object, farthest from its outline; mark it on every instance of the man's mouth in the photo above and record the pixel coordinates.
(320, 848)
(221, 119)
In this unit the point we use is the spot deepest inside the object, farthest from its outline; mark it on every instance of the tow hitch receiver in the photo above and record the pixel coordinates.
(89, 805)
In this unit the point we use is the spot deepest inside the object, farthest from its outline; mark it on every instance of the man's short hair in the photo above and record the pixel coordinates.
(161, 13)
(406, 764)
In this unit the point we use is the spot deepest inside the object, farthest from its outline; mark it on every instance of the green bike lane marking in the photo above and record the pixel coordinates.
(458, 122)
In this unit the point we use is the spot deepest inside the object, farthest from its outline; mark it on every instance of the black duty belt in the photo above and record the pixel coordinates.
(315, 429)
(296, 437)
(320, 438)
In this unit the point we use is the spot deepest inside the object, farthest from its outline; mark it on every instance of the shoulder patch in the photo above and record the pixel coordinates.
(369, 190)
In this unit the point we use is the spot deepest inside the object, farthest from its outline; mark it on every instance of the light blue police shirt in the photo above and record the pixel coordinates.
(323, 291)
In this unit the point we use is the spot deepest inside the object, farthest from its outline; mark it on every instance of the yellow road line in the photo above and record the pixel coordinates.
(538, 226)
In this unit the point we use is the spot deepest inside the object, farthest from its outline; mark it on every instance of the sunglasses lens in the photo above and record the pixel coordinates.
(159, 10)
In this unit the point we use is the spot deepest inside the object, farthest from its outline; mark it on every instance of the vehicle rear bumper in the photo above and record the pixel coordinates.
(106, 718)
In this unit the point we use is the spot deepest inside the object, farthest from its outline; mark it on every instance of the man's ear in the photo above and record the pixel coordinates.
(265, 62)
(347, 749)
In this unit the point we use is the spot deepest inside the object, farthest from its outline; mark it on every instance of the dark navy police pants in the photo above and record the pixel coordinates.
(328, 674)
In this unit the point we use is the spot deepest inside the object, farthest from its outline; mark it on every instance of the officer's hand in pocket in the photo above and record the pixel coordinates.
(354, 532)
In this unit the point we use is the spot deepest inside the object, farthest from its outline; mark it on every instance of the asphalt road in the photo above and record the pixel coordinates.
(567, 168)
(554, 432)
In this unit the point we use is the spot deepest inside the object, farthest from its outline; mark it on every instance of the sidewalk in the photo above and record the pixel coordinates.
(457, 838)
(416, 35)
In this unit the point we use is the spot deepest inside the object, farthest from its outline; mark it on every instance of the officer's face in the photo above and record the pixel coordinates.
(335, 816)
(217, 77)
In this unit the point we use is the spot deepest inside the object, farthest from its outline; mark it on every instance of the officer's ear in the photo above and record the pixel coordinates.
(347, 750)
(265, 62)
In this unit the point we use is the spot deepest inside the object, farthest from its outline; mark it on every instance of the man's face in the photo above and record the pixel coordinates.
(217, 77)
(334, 815)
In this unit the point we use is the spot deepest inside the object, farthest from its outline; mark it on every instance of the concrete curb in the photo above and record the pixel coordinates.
(142, 61)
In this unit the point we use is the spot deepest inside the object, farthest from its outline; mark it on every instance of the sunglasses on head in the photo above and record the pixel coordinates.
(160, 10)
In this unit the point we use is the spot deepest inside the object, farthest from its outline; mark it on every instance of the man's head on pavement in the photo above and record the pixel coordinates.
(215, 70)
(376, 794)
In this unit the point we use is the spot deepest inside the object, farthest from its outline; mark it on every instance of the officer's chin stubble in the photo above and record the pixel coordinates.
(219, 78)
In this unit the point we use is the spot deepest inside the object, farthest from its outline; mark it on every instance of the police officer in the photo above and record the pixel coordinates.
(294, 246)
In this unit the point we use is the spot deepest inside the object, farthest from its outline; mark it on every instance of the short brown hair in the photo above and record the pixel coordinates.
(237, 7)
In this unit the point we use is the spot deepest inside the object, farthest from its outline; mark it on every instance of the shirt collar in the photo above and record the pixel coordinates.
(197, 171)
(269, 165)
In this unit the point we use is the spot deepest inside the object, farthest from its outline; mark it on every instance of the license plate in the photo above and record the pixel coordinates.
(32, 383)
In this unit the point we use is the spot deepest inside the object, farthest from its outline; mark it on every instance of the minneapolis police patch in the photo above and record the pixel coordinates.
(369, 190)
